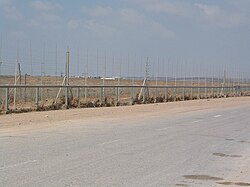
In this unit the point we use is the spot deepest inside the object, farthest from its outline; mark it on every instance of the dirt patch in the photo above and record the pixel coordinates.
(183, 185)
(234, 183)
(242, 184)
(225, 183)
(225, 155)
(230, 139)
(202, 177)
(244, 141)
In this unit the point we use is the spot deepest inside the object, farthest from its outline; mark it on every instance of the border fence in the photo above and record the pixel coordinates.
(25, 98)
(46, 92)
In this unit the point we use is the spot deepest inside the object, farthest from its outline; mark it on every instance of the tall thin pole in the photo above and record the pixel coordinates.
(67, 78)
(87, 65)
(113, 63)
(0, 67)
(14, 102)
(97, 63)
(145, 89)
(56, 60)
(19, 69)
(42, 65)
(67, 67)
(166, 90)
(1, 47)
(192, 80)
(78, 61)
(133, 80)
(86, 76)
(184, 73)
(119, 78)
(128, 65)
(213, 82)
(147, 70)
(199, 81)
(156, 77)
(104, 75)
(175, 83)
(141, 66)
(31, 63)
(17, 52)
(1, 62)
(97, 66)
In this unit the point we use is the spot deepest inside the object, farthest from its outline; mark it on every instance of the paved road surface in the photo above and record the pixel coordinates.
(201, 148)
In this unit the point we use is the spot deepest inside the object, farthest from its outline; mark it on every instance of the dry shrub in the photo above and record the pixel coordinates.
(178, 98)
(195, 97)
(108, 102)
(170, 98)
(124, 104)
(159, 99)
(74, 102)
(118, 103)
(136, 100)
(17, 111)
(187, 97)
(98, 103)
(88, 104)
(247, 93)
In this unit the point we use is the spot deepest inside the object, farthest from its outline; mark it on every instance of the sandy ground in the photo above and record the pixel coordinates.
(50, 119)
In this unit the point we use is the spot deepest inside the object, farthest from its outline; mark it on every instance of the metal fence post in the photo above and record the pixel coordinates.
(85, 94)
(78, 96)
(66, 97)
(103, 94)
(206, 92)
(37, 97)
(165, 94)
(191, 92)
(133, 93)
(183, 92)
(175, 94)
(144, 94)
(198, 96)
(6, 99)
(117, 95)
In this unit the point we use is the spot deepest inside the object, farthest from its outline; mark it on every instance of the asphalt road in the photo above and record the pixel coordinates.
(200, 148)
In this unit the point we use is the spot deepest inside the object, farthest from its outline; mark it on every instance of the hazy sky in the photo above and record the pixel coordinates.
(177, 34)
